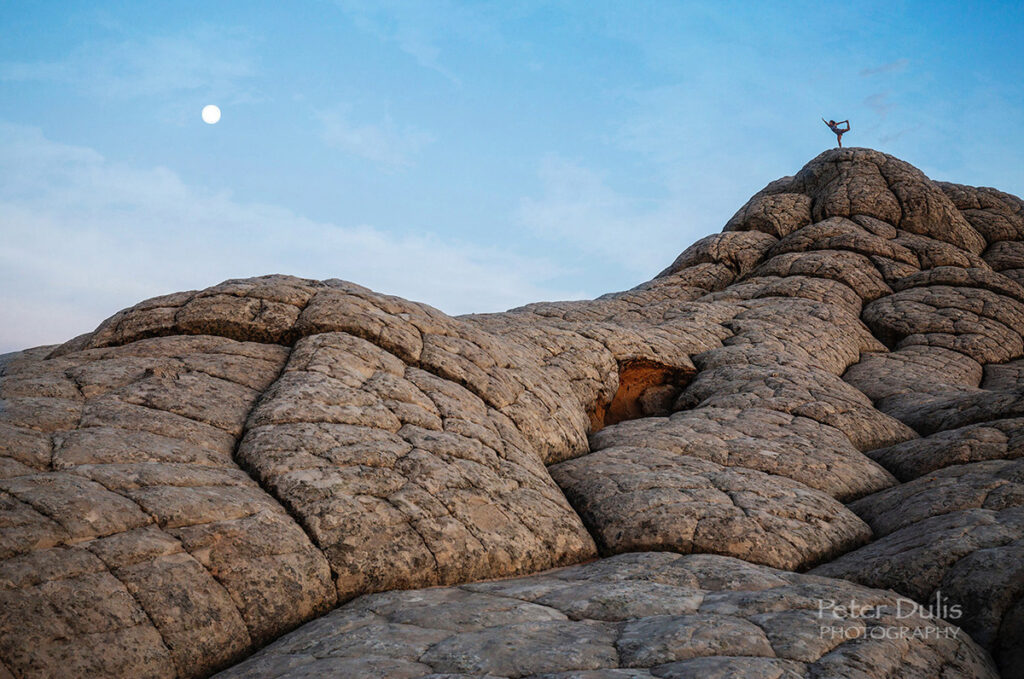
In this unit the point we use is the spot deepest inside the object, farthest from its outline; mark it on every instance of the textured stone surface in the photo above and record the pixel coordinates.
(971, 558)
(634, 615)
(402, 478)
(996, 440)
(643, 498)
(128, 494)
(835, 381)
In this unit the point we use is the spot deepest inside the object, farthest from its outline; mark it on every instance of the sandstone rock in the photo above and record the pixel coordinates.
(739, 251)
(773, 442)
(635, 615)
(142, 486)
(402, 478)
(849, 268)
(641, 498)
(848, 182)
(995, 440)
(978, 323)
(969, 558)
(776, 214)
(1005, 256)
(996, 215)
(911, 369)
(209, 469)
(942, 408)
(991, 484)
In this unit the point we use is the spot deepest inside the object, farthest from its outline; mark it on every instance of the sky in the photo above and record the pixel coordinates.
(472, 155)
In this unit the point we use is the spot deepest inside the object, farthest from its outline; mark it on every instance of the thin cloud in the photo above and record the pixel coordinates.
(81, 237)
(422, 29)
(576, 206)
(891, 67)
(879, 103)
(384, 143)
(889, 138)
(205, 60)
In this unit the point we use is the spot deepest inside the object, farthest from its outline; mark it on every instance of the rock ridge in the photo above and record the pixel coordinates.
(834, 383)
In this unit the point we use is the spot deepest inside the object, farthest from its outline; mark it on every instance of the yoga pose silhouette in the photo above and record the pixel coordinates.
(834, 126)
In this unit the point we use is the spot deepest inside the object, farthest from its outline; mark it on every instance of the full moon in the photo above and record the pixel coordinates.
(211, 114)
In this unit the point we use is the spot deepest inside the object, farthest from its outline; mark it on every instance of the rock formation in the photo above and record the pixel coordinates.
(822, 403)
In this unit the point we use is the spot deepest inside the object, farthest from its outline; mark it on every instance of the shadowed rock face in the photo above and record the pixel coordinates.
(836, 382)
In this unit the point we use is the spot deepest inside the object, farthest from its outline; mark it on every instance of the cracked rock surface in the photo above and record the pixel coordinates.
(634, 615)
(834, 383)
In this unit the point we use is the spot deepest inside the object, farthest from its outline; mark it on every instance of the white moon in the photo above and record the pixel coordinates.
(211, 114)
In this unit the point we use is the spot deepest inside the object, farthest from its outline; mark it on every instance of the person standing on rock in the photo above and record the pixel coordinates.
(834, 126)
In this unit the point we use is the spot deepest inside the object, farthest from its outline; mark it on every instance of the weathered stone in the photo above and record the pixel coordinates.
(776, 214)
(402, 478)
(1005, 255)
(209, 469)
(969, 558)
(800, 448)
(144, 478)
(992, 484)
(848, 182)
(996, 440)
(942, 407)
(912, 368)
(636, 499)
(849, 268)
(978, 323)
(802, 390)
(715, 616)
(839, 233)
(740, 251)
(996, 215)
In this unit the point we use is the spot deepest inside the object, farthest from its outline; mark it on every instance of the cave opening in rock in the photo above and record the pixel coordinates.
(646, 389)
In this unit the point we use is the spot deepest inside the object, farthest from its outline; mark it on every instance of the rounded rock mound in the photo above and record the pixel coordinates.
(335, 481)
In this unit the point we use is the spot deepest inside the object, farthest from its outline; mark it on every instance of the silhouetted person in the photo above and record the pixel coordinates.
(834, 126)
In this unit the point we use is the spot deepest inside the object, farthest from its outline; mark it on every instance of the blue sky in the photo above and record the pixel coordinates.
(474, 156)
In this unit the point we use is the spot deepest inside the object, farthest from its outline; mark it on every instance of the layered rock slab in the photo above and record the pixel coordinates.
(633, 615)
(128, 526)
(952, 532)
(955, 535)
(402, 478)
(643, 498)
(995, 440)
(763, 448)
(970, 558)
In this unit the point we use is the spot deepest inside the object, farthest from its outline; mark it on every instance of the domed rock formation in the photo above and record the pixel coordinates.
(834, 384)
